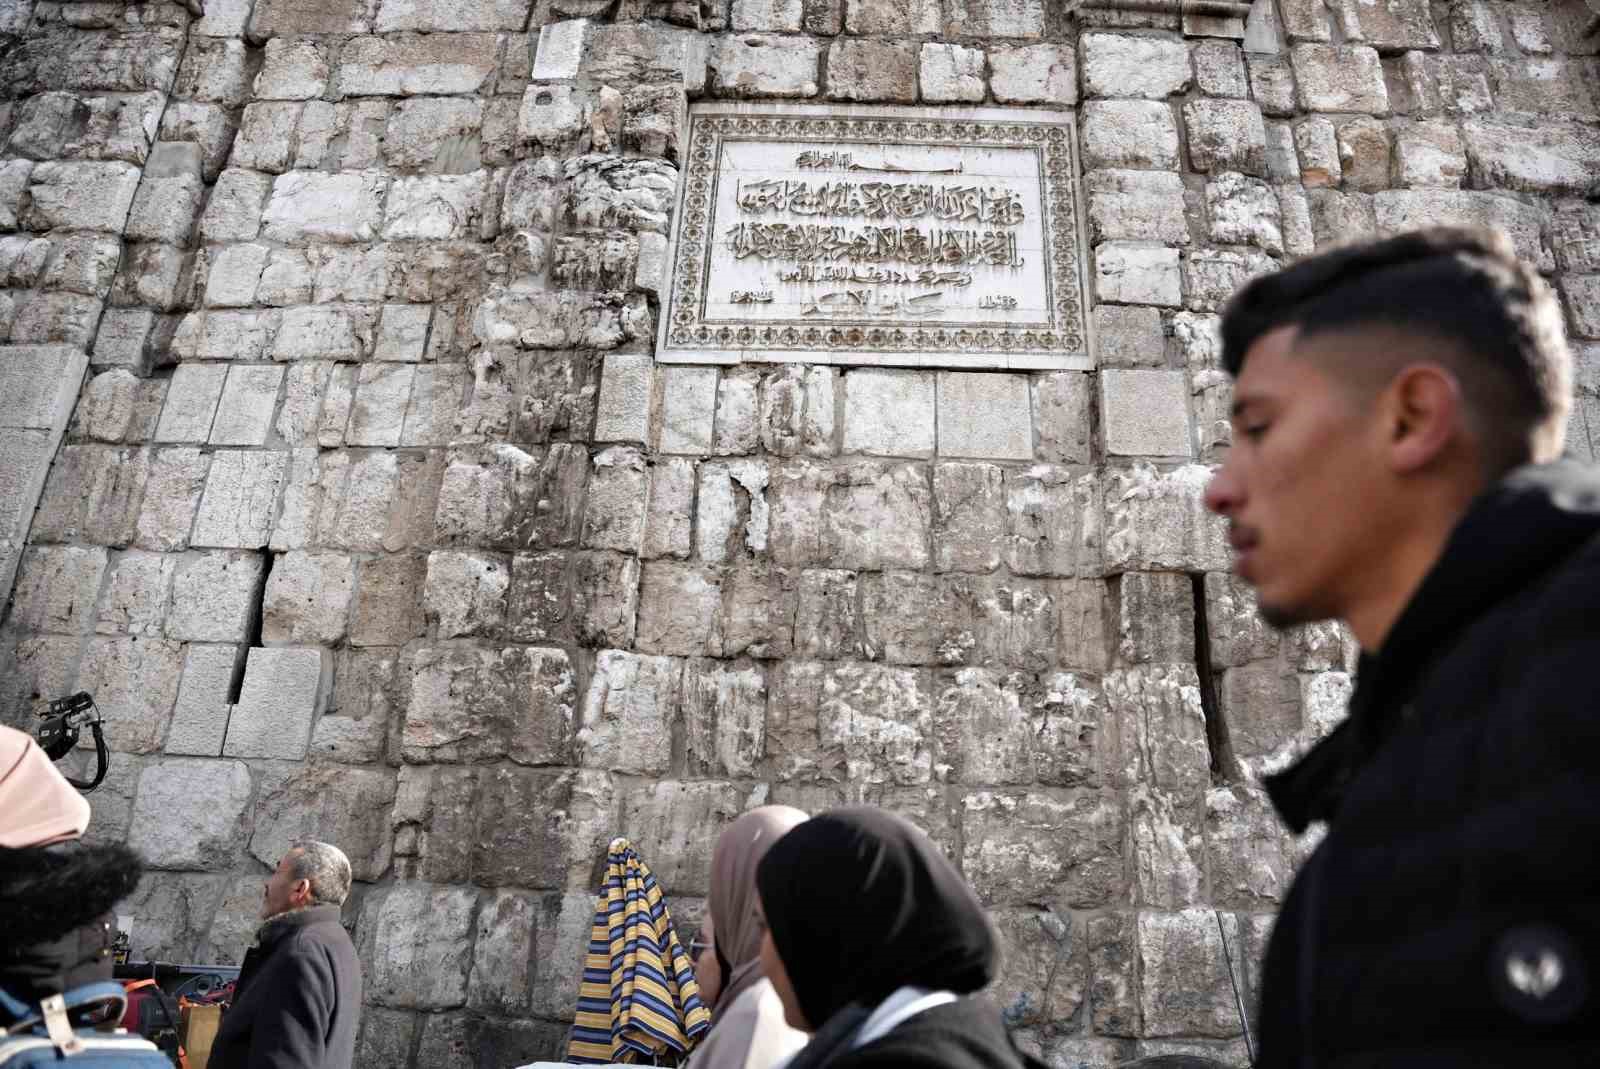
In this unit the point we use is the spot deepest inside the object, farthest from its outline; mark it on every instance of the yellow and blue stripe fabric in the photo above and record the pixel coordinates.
(638, 1003)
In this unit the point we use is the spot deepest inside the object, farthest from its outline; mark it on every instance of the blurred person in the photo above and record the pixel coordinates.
(56, 893)
(875, 945)
(707, 969)
(1399, 408)
(748, 1030)
(298, 999)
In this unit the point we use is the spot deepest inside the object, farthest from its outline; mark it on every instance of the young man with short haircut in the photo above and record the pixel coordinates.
(1399, 409)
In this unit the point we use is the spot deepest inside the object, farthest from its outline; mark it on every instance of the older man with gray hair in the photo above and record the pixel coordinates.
(298, 1000)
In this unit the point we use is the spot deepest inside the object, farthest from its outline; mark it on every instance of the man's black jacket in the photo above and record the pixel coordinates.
(1451, 917)
(298, 999)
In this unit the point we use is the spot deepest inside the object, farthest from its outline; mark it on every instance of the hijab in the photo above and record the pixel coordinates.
(739, 850)
(860, 903)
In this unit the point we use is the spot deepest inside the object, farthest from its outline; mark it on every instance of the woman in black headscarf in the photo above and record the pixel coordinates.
(874, 943)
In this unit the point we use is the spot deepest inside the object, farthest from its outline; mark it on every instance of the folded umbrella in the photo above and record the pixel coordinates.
(638, 1002)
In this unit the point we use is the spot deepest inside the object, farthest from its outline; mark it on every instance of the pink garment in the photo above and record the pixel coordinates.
(37, 804)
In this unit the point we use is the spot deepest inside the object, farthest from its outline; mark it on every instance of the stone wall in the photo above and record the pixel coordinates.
(376, 521)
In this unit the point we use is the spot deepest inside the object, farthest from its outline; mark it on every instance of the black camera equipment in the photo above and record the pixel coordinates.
(64, 722)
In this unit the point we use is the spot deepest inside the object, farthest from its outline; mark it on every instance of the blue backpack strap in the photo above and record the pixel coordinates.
(25, 1015)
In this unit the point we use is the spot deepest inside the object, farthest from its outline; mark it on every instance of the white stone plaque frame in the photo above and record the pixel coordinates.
(762, 272)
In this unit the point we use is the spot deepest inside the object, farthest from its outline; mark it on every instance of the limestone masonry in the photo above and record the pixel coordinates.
(354, 454)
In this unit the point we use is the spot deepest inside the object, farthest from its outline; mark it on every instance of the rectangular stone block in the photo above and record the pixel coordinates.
(1137, 274)
(200, 718)
(1157, 521)
(688, 406)
(215, 794)
(307, 206)
(627, 712)
(1122, 65)
(889, 413)
(877, 515)
(969, 522)
(57, 587)
(80, 196)
(417, 941)
(1015, 852)
(244, 412)
(1339, 78)
(92, 494)
(171, 498)
(135, 683)
(1055, 522)
(985, 415)
(410, 64)
(241, 499)
(214, 596)
(625, 399)
(282, 695)
(1146, 413)
(475, 705)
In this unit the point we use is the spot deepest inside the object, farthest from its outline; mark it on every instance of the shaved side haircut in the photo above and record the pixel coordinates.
(1488, 316)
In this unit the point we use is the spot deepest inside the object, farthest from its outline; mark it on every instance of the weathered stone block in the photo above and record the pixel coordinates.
(1157, 618)
(1137, 274)
(1015, 850)
(1211, 276)
(995, 18)
(214, 596)
(1261, 703)
(308, 598)
(1339, 78)
(688, 407)
(1430, 154)
(244, 411)
(417, 942)
(1226, 135)
(624, 403)
(1250, 856)
(733, 516)
(215, 797)
(465, 593)
(80, 196)
(1055, 522)
(1185, 988)
(307, 206)
(984, 620)
(983, 415)
(1244, 211)
(877, 516)
(1165, 843)
(240, 499)
(969, 522)
(614, 513)
(200, 718)
(1237, 633)
(1158, 522)
(951, 73)
(893, 628)
(878, 71)
(1033, 74)
(476, 704)
(1136, 206)
(1364, 154)
(505, 498)
(628, 710)
(92, 494)
(136, 596)
(1581, 295)
(171, 498)
(878, 719)
(1061, 416)
(1129, 133)
(1145, 413)
(1161, 727)
(826, 618)
(1548, 158)
(281, 696)
(758, 607)
(984, 732)
(1122, 65)
(757, 66)
(56, 588)
(416, 65)
(724, 712)
(678, 609)
(889, 412)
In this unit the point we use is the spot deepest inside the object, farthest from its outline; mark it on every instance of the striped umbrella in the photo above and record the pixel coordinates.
(638, 1002)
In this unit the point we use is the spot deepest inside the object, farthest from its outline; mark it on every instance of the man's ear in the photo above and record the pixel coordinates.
(1425, 415)
(301, 891)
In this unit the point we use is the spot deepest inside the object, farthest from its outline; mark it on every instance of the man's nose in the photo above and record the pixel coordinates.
(1224, 493)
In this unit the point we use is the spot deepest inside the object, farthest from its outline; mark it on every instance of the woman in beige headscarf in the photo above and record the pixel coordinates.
(747, 1026)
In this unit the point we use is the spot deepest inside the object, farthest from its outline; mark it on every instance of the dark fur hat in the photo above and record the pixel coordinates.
(50, 890)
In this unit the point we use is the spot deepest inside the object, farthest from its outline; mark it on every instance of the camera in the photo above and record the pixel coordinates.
(63, 723)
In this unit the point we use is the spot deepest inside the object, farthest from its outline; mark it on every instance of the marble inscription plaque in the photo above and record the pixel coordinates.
(913, 237)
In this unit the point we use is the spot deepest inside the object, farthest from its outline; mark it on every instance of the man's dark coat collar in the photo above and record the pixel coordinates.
(1512, 534)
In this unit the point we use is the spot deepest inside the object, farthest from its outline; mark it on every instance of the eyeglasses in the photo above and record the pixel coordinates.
(698, 946)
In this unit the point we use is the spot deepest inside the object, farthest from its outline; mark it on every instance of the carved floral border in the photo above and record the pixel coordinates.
(1056, 138)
